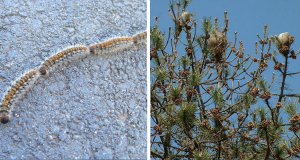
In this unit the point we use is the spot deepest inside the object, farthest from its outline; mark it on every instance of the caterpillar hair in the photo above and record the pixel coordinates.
(14, 93)
(62, 56)
(113, 45)
(140, 37)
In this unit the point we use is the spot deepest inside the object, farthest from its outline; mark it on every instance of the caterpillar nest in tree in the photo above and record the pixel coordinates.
(283, 39)
(217, 39)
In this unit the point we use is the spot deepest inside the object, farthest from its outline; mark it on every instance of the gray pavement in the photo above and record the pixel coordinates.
(91, 108)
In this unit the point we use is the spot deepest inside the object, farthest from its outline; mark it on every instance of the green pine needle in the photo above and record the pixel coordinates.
(161, 73)
(217, 96)
(291, 107)
(206, 25)
(194, 78)
(184, 62)
(157, 38)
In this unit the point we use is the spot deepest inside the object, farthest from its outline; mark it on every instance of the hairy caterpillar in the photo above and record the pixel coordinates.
(15, 92)
(62, 56)
(17, 89)
(140, 37)
(112, 45)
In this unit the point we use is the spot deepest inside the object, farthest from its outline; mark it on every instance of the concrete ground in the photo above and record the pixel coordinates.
(91, 108)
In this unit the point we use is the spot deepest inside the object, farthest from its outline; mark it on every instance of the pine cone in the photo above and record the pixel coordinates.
(216, 136)
(278, 104)
(207, 61)
(294, 128)
(173, 120)
(278, 66)
(203, 124)
(246, 135)
(256, 139)
(247, 58)
(156, 128)
(266, 95)
(208, 89)
(283, 49)
(240, 55)
(267, 55)
(158, 83)
(153, 53)
(251, 125)
(189, 52)
(265, 123)
(293, 55)
(240, 117)
(214, 111)
(295, 118)
(177, 101)
(205, 36)
(184, 73)
(191, 92)
(233, 49)
(263, 65)
(163, 87)
(254, 91)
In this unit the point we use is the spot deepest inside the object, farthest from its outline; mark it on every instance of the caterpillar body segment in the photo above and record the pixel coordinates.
(62, 56)
(140, 37)
(113, 45)
(14, 93)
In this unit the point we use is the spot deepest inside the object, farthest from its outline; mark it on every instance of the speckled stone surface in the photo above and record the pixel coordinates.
(90, 108)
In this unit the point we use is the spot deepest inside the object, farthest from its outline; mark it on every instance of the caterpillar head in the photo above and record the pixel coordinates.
(43, 70)
(92, 50)
(4, 118)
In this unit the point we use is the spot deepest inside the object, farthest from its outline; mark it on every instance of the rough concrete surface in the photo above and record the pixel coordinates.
(91, 108)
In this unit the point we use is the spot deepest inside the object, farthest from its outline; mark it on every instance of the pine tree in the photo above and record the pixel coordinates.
(211, 101)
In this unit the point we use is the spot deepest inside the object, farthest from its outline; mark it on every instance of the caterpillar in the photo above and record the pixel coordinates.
(112, 45)
(24, 82)
(140, 37)
(15, 92)
(62, 56)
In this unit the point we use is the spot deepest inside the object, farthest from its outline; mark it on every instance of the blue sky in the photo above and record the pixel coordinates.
(248, 19)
